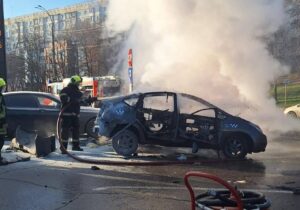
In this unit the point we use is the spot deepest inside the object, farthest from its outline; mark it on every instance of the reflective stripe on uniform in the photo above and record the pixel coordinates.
(64, 140)
(75, 140)
(70, 114)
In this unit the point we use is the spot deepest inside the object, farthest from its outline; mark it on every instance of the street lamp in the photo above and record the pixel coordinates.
(52, 35)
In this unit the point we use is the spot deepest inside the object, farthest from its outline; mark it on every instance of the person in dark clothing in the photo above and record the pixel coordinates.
(3, 124)
(71, 98)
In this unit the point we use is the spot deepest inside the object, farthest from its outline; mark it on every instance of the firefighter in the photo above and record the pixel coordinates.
(71, 97)
(3, 124)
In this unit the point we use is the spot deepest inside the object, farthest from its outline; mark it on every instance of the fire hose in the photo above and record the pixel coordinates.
(107, 162)
(230, 199)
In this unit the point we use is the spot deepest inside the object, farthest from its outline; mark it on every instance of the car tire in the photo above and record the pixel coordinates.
(89, 128)
(235, 147)
(125, 143)
(292, 115)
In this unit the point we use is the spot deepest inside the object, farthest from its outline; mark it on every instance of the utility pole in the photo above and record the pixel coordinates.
(53, 39)
(3, 72)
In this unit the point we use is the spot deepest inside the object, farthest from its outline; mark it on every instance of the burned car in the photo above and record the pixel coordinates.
(175, 120)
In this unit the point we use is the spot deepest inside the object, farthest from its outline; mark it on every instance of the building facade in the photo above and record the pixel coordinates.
(50, 34)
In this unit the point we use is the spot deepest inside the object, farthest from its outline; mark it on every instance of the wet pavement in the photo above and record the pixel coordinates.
(59, 182)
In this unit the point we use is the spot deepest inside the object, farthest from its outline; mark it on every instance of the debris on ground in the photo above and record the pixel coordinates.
(92, 145)
(240, 182)
(182, 157)
(13, 157)
(294, 190)
(31, 142)
(95, 168)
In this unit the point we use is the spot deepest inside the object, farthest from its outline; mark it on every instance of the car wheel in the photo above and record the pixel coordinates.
(235, 147)
(89, 128)
(125, 143)
(292, 114)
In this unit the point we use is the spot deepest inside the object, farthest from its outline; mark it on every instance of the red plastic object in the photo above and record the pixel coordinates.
(233, 191)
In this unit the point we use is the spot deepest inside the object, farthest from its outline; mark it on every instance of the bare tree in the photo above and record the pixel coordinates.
(26, 69)
(15, 72)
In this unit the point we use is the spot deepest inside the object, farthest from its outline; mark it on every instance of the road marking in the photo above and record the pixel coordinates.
(182, 188)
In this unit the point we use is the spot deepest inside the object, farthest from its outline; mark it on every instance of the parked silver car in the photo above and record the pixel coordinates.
(39, 111)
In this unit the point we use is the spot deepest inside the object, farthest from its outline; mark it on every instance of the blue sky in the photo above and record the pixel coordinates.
(14, 8)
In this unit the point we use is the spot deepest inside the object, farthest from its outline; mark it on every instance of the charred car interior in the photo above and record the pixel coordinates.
(176, 120)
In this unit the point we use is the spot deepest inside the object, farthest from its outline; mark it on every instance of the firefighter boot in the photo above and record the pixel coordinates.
(65, 144)
(76, 146)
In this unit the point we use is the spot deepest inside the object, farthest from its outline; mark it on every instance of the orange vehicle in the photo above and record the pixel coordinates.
(55, 87)
(91, 86)
(100, 86)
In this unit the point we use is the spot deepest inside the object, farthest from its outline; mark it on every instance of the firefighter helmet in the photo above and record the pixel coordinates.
(2, 82)
(76, 80)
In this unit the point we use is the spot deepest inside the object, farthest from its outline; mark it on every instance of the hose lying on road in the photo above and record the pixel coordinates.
(107, 162)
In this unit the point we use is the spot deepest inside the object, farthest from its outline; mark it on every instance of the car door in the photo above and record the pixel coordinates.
(158, 114)
(48, 110)
(22, 110)
(197, 121)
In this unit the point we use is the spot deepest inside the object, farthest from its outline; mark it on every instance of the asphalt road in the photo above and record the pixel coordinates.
(58, 182)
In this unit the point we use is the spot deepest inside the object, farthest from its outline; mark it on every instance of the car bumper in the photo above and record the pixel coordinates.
(260, 144)
(103, 128)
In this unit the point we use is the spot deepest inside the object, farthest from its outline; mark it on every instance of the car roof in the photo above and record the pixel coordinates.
(30, 93)
(201, 100)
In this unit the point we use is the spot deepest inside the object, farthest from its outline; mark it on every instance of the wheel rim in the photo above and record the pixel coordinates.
(125, 143)
(292, 115)
(89, 129)
(234, 147)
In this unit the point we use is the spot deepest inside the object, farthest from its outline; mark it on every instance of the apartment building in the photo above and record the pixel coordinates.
(47, 26)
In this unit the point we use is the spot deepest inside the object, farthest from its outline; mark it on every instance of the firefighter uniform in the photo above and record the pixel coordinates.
(70, 97)
(3, 124)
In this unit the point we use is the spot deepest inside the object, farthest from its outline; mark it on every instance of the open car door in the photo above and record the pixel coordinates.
(158, 115)
(197, 120)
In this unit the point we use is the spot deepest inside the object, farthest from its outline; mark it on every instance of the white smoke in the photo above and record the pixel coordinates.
(213, 49)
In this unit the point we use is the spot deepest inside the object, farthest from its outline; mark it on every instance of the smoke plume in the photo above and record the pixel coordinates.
(213, 49)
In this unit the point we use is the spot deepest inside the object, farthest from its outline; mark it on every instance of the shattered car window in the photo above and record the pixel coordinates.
(191, 106)
(131, 101)
(162, 102)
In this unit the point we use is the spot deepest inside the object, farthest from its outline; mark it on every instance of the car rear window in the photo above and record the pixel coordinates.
(26, 101)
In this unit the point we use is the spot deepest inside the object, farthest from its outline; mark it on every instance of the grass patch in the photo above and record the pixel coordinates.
(292, 92)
